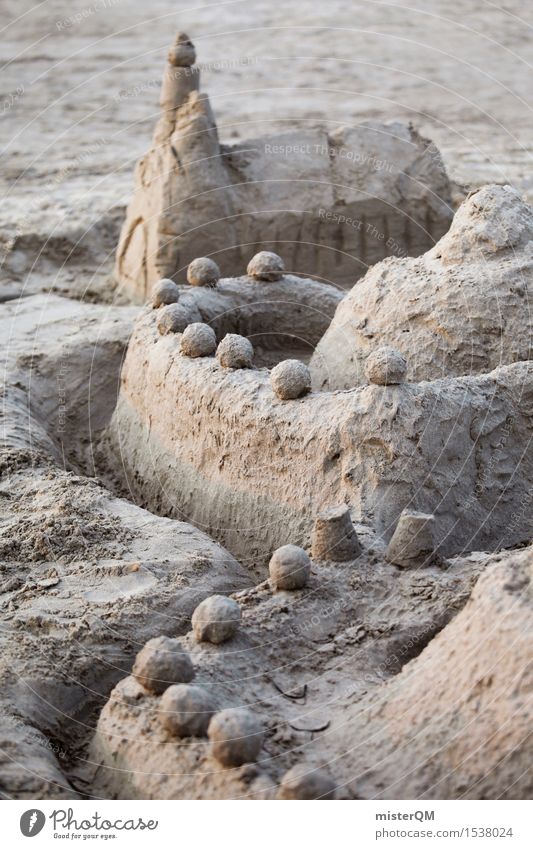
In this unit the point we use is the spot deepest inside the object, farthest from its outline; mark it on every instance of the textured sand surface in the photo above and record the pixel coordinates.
(395, 680)
(84, 576)
(459, 72)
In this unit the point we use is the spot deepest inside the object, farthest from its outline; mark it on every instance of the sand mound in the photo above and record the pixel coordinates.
(299, 662)
(456, 723)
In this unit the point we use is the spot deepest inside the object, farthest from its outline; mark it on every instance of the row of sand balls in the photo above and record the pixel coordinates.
(163, 666)
(290, 379)
(235, 734)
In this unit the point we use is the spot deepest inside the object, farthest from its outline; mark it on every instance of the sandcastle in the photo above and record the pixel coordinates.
(331, 203)
(448, 448)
